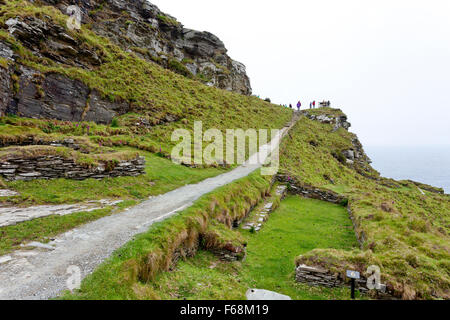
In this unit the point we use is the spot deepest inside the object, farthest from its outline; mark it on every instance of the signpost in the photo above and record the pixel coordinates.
(353, 275)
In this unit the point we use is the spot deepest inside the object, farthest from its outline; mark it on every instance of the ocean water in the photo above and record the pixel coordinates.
(430, 164)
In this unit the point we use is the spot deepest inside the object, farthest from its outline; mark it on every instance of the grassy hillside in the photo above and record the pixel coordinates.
(405, 231)
(161, 100)
(156, 94)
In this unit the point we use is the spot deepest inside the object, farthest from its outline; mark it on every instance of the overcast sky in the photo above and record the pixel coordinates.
(386, 63)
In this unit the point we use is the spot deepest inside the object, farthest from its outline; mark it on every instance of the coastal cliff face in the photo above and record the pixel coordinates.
(49, 71)
(141, 27)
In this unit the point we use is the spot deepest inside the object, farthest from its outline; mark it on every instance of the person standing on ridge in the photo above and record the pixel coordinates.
(299, 105)
(314, 104)
(290, 105)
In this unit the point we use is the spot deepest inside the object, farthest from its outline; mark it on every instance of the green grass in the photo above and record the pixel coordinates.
(406, 233)
(297, 226)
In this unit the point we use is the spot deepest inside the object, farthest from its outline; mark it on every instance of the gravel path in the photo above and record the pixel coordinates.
(42, 273)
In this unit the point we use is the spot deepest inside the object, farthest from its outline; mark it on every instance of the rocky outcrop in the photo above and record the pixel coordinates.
(354, 157)
(5, 77)
(135, 26)
(337, 121)
(47, 39)
(6, 52)
(357, 157)
(30, 93)
(55, 96)
(141, 27)
(52, 167)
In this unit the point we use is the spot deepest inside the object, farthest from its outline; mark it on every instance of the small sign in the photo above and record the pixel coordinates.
(353, 274)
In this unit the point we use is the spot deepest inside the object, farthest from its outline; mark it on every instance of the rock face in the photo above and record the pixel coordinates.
(55, 96)
(29, 93)
(136, 26)
(5, 90)
(8, 193)
(337, 121)
(47, 39)
(355, 157)
(141, 27)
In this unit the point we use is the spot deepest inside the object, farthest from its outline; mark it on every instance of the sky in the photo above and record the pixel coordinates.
(385, 63)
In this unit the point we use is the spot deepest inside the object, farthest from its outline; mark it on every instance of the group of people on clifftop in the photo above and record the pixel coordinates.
(312, 105)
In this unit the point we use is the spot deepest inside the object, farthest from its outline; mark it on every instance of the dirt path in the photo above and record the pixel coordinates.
(42, 273)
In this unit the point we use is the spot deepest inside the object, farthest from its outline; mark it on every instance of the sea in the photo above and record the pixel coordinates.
(428, 164)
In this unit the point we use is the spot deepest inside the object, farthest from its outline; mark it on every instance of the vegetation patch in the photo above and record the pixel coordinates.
(179, 68)
(4, 63)
(168, 20)
(404, 232)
